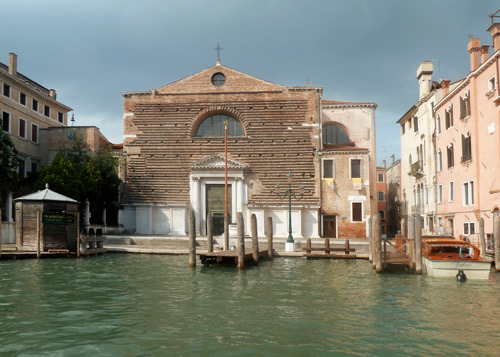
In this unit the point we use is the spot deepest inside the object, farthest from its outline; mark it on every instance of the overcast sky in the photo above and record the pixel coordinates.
(357, 50)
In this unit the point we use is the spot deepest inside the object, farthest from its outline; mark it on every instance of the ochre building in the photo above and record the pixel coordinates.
(174, 142)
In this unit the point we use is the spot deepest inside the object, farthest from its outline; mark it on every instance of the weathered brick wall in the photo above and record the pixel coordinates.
(280, 136)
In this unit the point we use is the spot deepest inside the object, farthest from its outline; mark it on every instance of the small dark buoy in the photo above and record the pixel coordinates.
(461, 277)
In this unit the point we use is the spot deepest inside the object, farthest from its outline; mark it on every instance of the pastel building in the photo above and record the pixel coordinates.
(468, 144)
(418, 160)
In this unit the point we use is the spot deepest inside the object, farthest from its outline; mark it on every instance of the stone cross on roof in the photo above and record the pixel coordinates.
(218, 49)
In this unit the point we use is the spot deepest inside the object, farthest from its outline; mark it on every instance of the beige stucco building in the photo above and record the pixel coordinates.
(26, 109)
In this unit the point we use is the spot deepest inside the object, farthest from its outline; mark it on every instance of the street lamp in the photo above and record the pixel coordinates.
(290, 244)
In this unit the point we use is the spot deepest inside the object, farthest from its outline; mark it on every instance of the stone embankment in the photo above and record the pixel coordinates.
(152, 244)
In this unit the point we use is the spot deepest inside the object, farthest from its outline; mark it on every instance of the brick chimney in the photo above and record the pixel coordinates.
(445, 86)
(494, 29)
(392, 159)
(12, 64)
(52, 93)
(484, 53)
(383, 164)
(473, 46)
(424, 76)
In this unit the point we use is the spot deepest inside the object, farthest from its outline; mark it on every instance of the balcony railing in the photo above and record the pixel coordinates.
(416, 170)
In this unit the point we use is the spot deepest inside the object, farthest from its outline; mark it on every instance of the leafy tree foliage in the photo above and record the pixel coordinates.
(9, 178)
(77, 174)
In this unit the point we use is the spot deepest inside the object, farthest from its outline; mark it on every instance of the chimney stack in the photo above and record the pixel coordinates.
(424, 76)
(52, 93)
(392, 159)
(494, 29)
(484, 53)
(473, 46)
(12, 64)
(445, 86)
(383, 164)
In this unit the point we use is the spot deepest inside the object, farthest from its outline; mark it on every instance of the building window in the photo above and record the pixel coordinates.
(491, 84)
(328, 168)
(450, 156)
(46, 111)
(382, 215)
(464, 106)
(440, 160)
(60, 117)
(334, 134)
(381, 195)
(466, 148)
(22, 98)
(6, 90)
(214, 126)
(451, 193)
(34, 133)
(6, 122)
(469, 228)
(356, 211)
(380, 177)
(449, 117)
(415, 124)
(440, 193)
(218, 79)
(34, 105)
(438, 124)
(34, 167)
(22, 128)
(433, 111)
(468, 193)
(355, 168)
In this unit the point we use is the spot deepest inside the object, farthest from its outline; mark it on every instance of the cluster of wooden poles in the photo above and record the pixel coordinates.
(241, 256)
(378, 251)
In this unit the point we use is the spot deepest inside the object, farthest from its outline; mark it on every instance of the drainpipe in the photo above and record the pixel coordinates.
(319, 160)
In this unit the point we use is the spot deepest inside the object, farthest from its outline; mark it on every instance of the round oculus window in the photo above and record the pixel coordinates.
(218, 79)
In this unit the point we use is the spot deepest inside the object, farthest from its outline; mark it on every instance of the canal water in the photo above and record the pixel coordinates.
(147, 305)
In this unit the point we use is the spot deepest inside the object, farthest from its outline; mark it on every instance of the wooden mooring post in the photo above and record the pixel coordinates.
(0, 233)
(497, 242)
(241, 240)
(418, 244)
(255, 238)
(411, 242)
(210, 233)
(78, 234)
(38, 234)
(377, 242)
(226, 233)
(482, 238)
(192, 239)
(370, 240)
(269, 234)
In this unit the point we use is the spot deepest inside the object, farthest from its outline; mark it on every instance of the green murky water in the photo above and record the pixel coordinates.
(131, 305)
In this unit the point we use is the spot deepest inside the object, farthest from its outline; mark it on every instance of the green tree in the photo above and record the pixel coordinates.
(62, 177)
(9, 163)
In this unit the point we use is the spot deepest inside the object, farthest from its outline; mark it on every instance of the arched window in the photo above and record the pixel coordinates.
(214, 126)
(334, 134)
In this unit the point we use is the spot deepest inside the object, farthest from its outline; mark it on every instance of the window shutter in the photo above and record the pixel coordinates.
(462, 108)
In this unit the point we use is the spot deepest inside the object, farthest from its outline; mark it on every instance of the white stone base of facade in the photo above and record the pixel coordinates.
(290, 247)
(172, 219)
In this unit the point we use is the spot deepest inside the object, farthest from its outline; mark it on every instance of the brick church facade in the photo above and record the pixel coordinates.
(174, 142)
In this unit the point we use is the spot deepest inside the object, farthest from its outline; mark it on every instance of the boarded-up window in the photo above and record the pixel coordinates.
(357, 211)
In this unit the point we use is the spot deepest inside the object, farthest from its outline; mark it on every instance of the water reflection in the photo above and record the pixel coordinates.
(156, 305)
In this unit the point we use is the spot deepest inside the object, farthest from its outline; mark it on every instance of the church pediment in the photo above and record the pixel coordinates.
(215, 162)
(233, 82)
